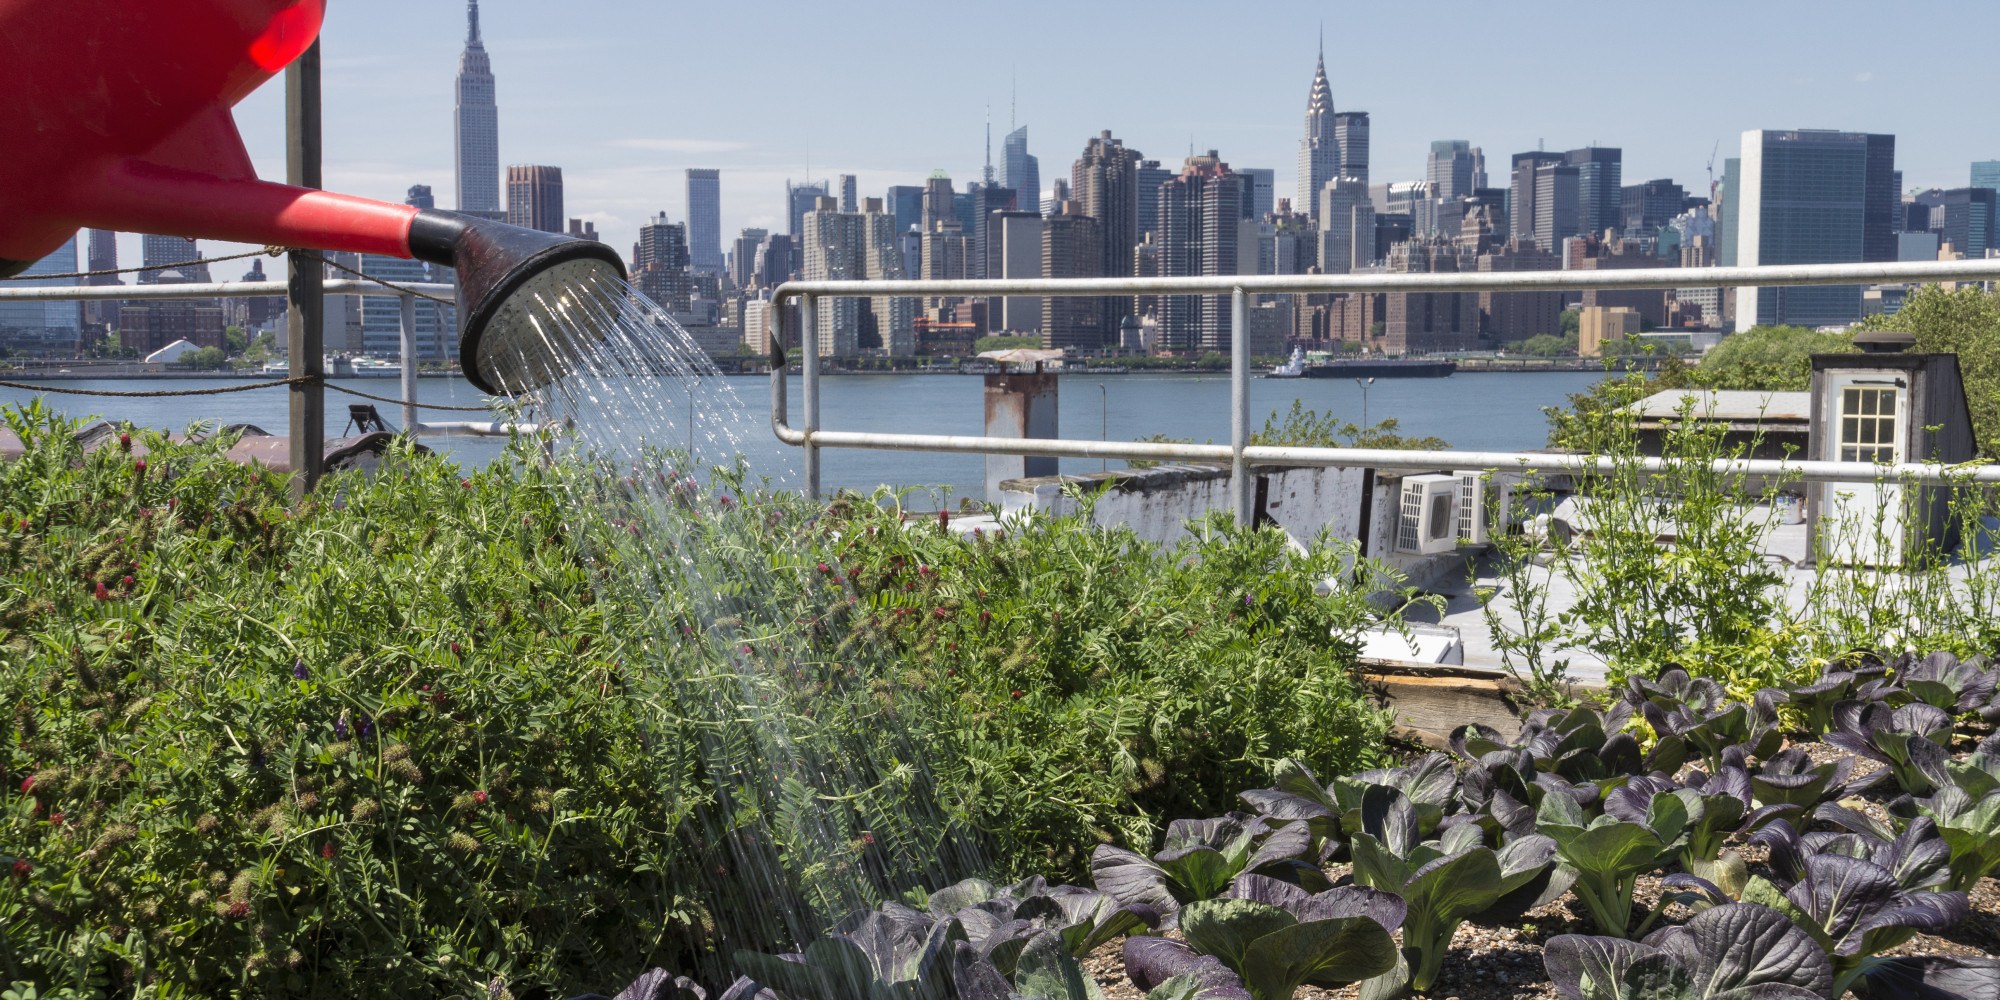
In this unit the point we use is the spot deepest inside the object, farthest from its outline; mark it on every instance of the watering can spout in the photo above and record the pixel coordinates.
(527, 300)
(118, 118)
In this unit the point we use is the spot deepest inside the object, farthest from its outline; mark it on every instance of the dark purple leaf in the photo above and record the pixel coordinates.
(1742, 944)
(1571, 959)
(1150, 961)
(1934, 979)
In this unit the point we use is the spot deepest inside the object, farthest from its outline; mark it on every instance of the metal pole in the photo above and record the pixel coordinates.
(809, 349)
(409, 335)
(1103, 421)
(1239, 414)
(304, 333)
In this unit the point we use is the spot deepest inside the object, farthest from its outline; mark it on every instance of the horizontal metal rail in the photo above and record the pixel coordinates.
(211, 290)
(1986, 269)
(1269, 456)
(1241, 456)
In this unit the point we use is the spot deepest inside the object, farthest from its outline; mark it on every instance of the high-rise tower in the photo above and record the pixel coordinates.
(1319, 151)
(476, 125)
(1106, 185)
(704, 199)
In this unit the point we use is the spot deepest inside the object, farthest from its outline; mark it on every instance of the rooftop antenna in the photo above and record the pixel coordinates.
(988, 173)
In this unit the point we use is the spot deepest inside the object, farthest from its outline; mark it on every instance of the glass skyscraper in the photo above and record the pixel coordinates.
(704, 200)
(1804, 198)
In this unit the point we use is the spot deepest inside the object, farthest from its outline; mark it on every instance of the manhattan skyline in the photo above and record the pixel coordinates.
(625, 97)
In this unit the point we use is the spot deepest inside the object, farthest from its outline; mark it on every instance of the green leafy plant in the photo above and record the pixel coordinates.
(1201, 857)
(1607, 854)
(1445, 881)
(1735, 952)
(1270, 941)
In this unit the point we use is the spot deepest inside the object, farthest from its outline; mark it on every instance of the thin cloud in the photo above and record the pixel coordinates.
(685, 146)
(1864, 76)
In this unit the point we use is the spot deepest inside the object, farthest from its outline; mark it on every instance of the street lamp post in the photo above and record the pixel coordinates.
(1364, 384)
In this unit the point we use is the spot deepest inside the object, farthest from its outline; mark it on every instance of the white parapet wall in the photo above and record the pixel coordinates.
(1157, 503)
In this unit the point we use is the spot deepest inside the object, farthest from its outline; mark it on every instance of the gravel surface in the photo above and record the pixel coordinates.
(1505, 962)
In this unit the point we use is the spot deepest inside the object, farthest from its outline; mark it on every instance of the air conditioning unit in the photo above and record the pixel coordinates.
(1485, 505)
(1427, 522)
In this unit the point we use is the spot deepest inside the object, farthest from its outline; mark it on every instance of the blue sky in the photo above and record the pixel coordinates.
(625, 95)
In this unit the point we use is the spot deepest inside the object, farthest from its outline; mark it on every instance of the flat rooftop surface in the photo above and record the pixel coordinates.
(1784, 548)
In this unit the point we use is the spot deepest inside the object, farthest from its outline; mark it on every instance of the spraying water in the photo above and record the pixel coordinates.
(818, 798)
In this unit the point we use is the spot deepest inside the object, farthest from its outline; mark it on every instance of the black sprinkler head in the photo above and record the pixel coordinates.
(523, 296)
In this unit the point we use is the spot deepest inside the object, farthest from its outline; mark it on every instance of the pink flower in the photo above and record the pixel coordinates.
(944, 519)
(102, 593)
(28, 785)
(465, 484)
(326, 850)
(942, 612)
(124, 442)
(457, 650)
(126, 583)
(479, 797)
(1017, 694)
(139, 466)
(22, 868)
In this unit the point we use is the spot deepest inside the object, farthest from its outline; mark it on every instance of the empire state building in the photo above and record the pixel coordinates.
(476, 126)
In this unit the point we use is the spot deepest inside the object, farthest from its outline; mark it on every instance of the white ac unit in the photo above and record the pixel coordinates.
(1485, 505)
(1427, 522)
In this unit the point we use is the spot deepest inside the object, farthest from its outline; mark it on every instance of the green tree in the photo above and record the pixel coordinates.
(235, 340)
(1777, 358)
(1545, 345)
(1004, 343)
(1300, 427)
(1572, 322)
(1965, 322)
(204, 359)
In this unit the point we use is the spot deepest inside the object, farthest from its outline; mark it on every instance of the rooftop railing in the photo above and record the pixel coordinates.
(1242, 457)
(406, 293)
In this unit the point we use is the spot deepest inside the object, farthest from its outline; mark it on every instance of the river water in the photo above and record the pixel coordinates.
(1482, 411)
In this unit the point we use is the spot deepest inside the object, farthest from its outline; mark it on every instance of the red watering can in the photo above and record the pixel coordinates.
(116, 116)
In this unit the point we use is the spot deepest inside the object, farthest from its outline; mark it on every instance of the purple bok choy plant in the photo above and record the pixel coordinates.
(1857, 676)
(1734, 952)
(1442, 882)
(1001, 920)
(1199, 858)
(1943, 681)
(1966, 809)
(1909, 742)
(1265, 940)
(1332, 810)
(1718, 807)
(1789, 777)
(1853, 908)
(899, 953)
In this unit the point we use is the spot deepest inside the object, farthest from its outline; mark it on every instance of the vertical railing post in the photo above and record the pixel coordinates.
(409, 334)
(809, 361)
(305, 343)
(1240, 489)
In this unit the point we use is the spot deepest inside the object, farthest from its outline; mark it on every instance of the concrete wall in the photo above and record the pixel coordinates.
(1157, 503)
